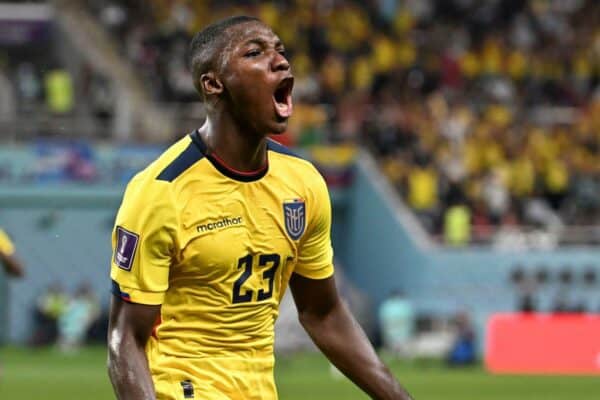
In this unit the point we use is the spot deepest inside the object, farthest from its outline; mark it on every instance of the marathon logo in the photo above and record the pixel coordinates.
(224, 223)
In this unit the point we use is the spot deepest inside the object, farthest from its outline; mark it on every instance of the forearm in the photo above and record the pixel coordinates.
(128, 369)
(343, 341)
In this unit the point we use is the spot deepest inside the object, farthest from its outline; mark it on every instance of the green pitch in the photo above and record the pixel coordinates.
(48, 375)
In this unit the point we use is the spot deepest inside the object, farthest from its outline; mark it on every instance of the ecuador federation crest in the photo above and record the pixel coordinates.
(294, 213)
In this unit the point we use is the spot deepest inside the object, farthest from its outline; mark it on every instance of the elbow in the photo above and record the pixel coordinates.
(112, 353)
(116, 344)
(121, 344)
(117, 355)
(114, 341)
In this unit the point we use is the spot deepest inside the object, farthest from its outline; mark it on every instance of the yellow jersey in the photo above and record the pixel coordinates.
(6, 245)
(215, 248)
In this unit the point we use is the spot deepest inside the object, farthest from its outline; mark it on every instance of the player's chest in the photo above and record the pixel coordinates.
(225, 227)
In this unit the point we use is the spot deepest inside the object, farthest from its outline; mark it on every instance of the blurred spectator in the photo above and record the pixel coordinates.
(8, 107)
(423, 182)
(463, 351)
(526, 286)
(113, 16)
(527, 303)
(102, 99)
(80, 313)
(457, 219)
(29, 87)
(396, 318)
(59, 91)
(48, 308)
(98, 329)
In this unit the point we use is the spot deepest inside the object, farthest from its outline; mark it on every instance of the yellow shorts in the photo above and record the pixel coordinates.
(214, 378)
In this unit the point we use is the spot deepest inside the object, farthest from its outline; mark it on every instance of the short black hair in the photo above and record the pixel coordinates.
(202, 52)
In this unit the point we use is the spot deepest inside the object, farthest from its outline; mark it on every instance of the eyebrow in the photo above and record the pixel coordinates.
(263, 42)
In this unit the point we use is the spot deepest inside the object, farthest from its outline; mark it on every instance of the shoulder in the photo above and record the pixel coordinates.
(170, 165)
(176, 160)
(294, 162)
(152, 185)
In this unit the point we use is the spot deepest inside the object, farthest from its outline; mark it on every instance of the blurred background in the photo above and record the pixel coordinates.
(460, 140)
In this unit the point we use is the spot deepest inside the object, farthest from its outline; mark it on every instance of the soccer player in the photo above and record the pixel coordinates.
(8, 259)
(209, 236)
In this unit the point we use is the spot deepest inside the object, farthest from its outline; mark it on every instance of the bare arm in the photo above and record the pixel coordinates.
(130, 326)
(335, 331)
(12, 265)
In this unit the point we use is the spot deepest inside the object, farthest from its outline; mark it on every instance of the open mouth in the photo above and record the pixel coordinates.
(282, 98)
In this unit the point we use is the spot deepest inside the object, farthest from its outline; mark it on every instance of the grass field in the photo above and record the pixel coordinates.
(48, 375)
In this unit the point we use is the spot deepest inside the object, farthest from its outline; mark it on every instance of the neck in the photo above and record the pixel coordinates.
(238, 149)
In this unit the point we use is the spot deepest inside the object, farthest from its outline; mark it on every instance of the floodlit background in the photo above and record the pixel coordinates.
(460, 140)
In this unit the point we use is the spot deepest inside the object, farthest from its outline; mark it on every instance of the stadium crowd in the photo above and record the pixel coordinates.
(488, 118)
(39, 85)
(69, 321)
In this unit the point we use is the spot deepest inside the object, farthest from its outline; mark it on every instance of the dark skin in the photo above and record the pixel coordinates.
(12, 265)
(241, 113)
(129, 328)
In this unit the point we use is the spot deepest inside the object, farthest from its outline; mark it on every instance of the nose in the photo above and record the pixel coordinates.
(280, 63)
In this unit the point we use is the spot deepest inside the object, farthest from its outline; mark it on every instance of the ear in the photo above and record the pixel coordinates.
(211, 85)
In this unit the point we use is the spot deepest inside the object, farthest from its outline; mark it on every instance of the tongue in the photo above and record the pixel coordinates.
(283, 110)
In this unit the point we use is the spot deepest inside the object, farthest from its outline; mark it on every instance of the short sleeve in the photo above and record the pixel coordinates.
(315, 255)
(143, 242)
(6, 245)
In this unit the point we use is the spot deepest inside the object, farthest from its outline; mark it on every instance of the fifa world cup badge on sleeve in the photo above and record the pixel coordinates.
(125, 248)
(294, 212)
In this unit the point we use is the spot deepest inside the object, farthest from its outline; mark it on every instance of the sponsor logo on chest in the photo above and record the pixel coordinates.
(225, 222)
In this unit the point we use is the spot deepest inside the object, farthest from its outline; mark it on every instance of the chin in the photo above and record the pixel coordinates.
(278, 128)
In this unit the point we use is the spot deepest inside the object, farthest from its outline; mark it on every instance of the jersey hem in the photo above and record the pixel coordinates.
(321, 273)
(136, 296)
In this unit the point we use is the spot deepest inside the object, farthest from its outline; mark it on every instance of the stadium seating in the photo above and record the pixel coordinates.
(467, 122)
